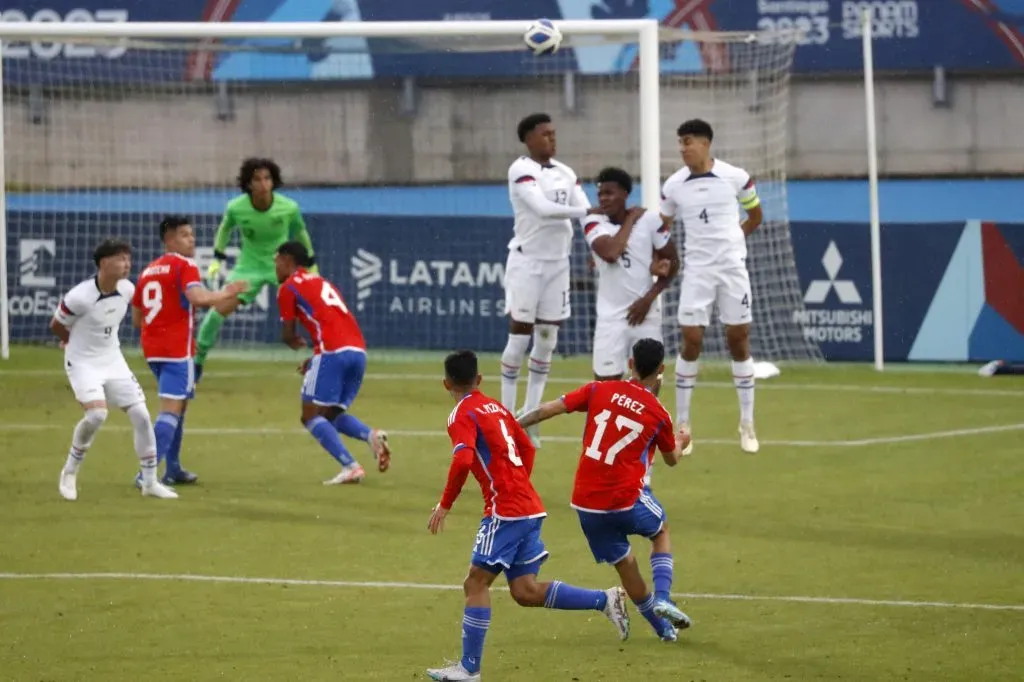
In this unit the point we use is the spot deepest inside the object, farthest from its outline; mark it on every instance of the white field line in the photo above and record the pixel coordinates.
(862, 442)
(189, 577)
(767, 384)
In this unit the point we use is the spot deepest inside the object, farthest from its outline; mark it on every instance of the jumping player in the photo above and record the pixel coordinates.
(266, 218)
(545, 194)
(612, 497)
(86, 322)
(166, 295)
(706, 195)
(334, 374)
(489, 442)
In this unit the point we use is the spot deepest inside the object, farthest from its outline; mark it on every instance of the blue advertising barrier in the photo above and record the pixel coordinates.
(910, 35)
(951, 291)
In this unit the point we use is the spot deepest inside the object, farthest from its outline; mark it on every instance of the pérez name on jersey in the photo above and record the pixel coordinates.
(623, 400)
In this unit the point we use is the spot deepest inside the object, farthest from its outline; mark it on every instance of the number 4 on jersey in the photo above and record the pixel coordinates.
(331, 298)
(632, 428)
(703, 215)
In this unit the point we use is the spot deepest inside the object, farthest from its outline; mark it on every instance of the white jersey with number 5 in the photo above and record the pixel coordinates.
(93, 319)
(544, 198)
(709, 207)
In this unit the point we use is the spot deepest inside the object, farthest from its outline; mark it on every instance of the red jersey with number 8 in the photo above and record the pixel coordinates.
(168, 319)
(489, 442)
(625, 422)
(317, 304)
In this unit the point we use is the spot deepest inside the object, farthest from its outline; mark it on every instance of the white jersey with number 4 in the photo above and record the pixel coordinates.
(544, 199)
(709, 207)
(621, 283)
(93, 319)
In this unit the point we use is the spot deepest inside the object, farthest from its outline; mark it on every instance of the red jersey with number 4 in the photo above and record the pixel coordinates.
(625, 422)
(317, 304)
(488, 441)
(168, 319)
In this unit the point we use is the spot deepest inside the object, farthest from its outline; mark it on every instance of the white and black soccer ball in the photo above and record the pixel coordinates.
(543, 37)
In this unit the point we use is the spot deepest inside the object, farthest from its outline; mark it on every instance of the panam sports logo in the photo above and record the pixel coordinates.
(438, 288)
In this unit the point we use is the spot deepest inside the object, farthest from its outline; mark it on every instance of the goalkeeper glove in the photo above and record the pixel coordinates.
(218, 260)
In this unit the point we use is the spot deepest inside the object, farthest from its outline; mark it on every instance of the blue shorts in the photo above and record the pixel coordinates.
(334, 379)
(608, 534)
(514, 547)
(175, 380)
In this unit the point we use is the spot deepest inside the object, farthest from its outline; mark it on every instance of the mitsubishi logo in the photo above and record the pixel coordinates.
(846, 290)
(366, 270)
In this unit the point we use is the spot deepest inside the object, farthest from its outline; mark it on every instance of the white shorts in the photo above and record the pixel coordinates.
(112, 382)
(613, 343)
(536, 289)
(702, 287)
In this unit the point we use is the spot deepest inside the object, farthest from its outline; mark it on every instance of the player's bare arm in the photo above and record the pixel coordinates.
(666, 261)
(682, 441)
(60, 331)
(137, 317)
(755, 216)
(542, 413)
(201, 297)
(290, 335)
(610, 249)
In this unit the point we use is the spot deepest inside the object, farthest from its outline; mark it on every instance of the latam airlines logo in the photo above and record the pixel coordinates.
(846, 290)
(429, 287)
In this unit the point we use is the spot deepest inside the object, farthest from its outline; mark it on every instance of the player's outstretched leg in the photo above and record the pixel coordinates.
(662, 568)
(527, 591)
(737, 337)
(145, 448)
(353, 369)
(686, 375)
(315, 419)
(81, 439)
(644, 600)
(377, 439)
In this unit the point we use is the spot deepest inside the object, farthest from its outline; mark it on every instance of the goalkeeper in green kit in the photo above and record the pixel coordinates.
(266, 220)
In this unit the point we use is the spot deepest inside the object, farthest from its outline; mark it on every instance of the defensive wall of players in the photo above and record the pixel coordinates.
(361, 135)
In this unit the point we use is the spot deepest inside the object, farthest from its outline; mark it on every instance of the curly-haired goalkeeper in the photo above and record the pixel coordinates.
(266, 220)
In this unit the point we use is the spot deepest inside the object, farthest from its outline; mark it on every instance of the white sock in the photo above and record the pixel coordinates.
(743, 379)
(545, 340)
(686, 381)
(511, 361)
(144, 440)
(83, 436)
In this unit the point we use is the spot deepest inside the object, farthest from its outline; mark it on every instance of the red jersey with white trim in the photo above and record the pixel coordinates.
(489, 442)
(319, 306)
(168, 318)
(625, 422)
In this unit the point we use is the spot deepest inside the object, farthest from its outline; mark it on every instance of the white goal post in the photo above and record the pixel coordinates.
(743, 91)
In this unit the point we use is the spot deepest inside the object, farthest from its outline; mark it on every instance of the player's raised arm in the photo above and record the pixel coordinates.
(220, 242)
(751, 203)
(299, 233)
(576, 401)
(523, 186)
(610, 247)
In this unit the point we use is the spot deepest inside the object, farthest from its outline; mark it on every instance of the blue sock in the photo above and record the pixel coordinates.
(662, 566)
(329, 439)
(352, 427)
(646, 608)
(475, 622)
(174, 454)
(164, 427)
(571, 598)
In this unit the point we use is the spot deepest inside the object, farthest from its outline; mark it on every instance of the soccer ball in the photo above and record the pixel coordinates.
(542, 37)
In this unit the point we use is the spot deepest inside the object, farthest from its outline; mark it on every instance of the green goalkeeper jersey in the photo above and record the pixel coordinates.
(262, 231)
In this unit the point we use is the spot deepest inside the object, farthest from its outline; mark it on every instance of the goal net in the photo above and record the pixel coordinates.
(396, 150)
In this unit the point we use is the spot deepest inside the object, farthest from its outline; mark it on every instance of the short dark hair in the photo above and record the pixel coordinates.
(297, 251)
(171, 223)
(253, 164)
(696, 127)
(616, 175)
(648, 354)
(527, 125)
(110, 247)
(461, 368)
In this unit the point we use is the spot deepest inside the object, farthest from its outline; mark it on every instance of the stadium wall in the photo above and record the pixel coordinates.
(336, 135)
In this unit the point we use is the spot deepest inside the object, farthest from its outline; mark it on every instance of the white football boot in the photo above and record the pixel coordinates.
(748, 439)
(381, 449)
(158, 489)
(453, 673)
(68, 485)
(616, 612)
(349, 474)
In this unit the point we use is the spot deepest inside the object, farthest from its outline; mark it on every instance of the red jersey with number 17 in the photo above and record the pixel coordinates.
(168, 318)
(489, 442)
(625, 422)
(319, 306)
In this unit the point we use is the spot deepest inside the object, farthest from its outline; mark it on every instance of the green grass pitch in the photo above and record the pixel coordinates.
(878, 535)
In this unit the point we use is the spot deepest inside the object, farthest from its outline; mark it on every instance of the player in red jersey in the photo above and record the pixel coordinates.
(625, 422)
(490, 444)
(335, 372)
(166, 296)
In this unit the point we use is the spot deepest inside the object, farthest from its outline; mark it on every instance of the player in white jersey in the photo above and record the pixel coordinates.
(706, 195)
(545, 196)
(628, 245)
(86, 322)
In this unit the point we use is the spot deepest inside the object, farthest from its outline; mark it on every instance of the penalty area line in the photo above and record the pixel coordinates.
(242, 580)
